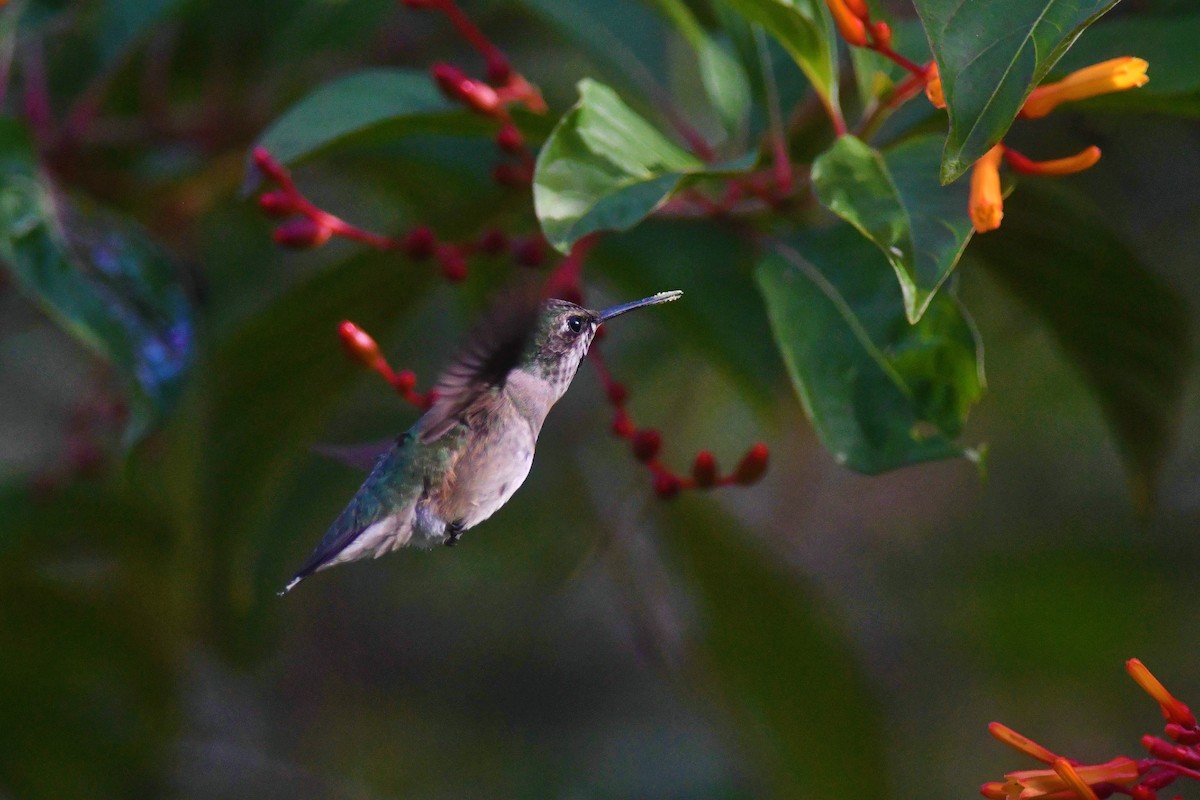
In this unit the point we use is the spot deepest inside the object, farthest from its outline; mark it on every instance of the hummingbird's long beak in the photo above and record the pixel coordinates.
(653, 300)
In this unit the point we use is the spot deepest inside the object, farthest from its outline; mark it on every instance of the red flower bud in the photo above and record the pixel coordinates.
(510, 175)
(529, 252)
(752, 466)
(453, 265)
(621, 426)
(509, 139)
(882, 33)
(302, 233)
(419, 243)
(498, 70)
(360, 346)
(1143, 793)
(405, 381)
(859, 9)
(277, 204)
(666, 485)
(704, 470)
(617, 393)
(646, 444)
(493, 242)
(455, 84)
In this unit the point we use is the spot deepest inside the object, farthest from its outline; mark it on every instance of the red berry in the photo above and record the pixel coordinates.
(419, 243)
(666, 485)
(752, 466)
(277, 203)
(704, 470)
(493, 242)
(529, 252)
(302, 233)
(509, 139)
(646, 444)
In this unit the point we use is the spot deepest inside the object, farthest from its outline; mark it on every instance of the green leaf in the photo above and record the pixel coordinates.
(805, 30)
(123, 22)
(895, 199)
(990, 57)
(799, 703)
(101, 277)
(880, 392)
(603, 167)
(403, 101)
(724, 80)
(1125, 330)
(1167, 42)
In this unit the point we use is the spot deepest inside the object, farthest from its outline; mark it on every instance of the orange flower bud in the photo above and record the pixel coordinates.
(1084, 159)
(933, 86)
(849, 24)
(859, 9)
(882, 32)
(987, 202)
(1173, 710)
(1073, 779)
(1024, 744)
(1031, 784)
(1115, 75)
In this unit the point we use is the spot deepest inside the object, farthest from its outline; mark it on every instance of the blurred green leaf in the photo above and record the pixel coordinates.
(405, 101)
(805, 30)
(880, 392)
(101, 277)
(990, 57)
(88, 673)
(272, 387)
(1124, 329)
(895, 199)
(799, 703)
(122, 23)
(1167, 42)
(724, 80)
(722, 317)
(604, 167)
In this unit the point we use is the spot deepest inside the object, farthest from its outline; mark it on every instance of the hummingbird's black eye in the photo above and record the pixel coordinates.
(575, 324)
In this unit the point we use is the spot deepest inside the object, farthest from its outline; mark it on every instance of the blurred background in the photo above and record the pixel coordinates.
(820, 634)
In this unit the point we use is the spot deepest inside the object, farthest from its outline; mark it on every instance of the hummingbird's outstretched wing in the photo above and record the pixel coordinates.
(492, 350)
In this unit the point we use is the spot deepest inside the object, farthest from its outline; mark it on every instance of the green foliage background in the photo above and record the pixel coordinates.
(822, 634)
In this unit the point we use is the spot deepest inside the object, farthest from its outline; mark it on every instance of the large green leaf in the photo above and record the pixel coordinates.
(880, 392)
(604, 167)
(1123, 328)
(400, 100)
(990, 56)
(799, 704)
(895, 199)
(100, 276)
(805, 30)
(725, 82)
(1167, 42)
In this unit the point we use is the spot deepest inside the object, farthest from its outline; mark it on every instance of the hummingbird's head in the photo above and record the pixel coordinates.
(565, 332)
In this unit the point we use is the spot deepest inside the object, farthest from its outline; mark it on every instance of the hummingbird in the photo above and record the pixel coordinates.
(467, 455)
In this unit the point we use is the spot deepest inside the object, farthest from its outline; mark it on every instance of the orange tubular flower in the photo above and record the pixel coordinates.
(1071, 782)
(849, 24)
(1173, 709)
(1002, 733)
(933, 86)
(987, 202)
(1084, 159)
(1115, 75)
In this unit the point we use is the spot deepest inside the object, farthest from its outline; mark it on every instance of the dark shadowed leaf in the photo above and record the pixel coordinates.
(100, 276)
(604, 168)
(805, 30)
(123, 22)
(722, 317)
(880, 392)
(725, 82)
(1121, 325)
(799, 704)
(895, 199)
(990, 56)
(403, 101)
(1167, 42)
